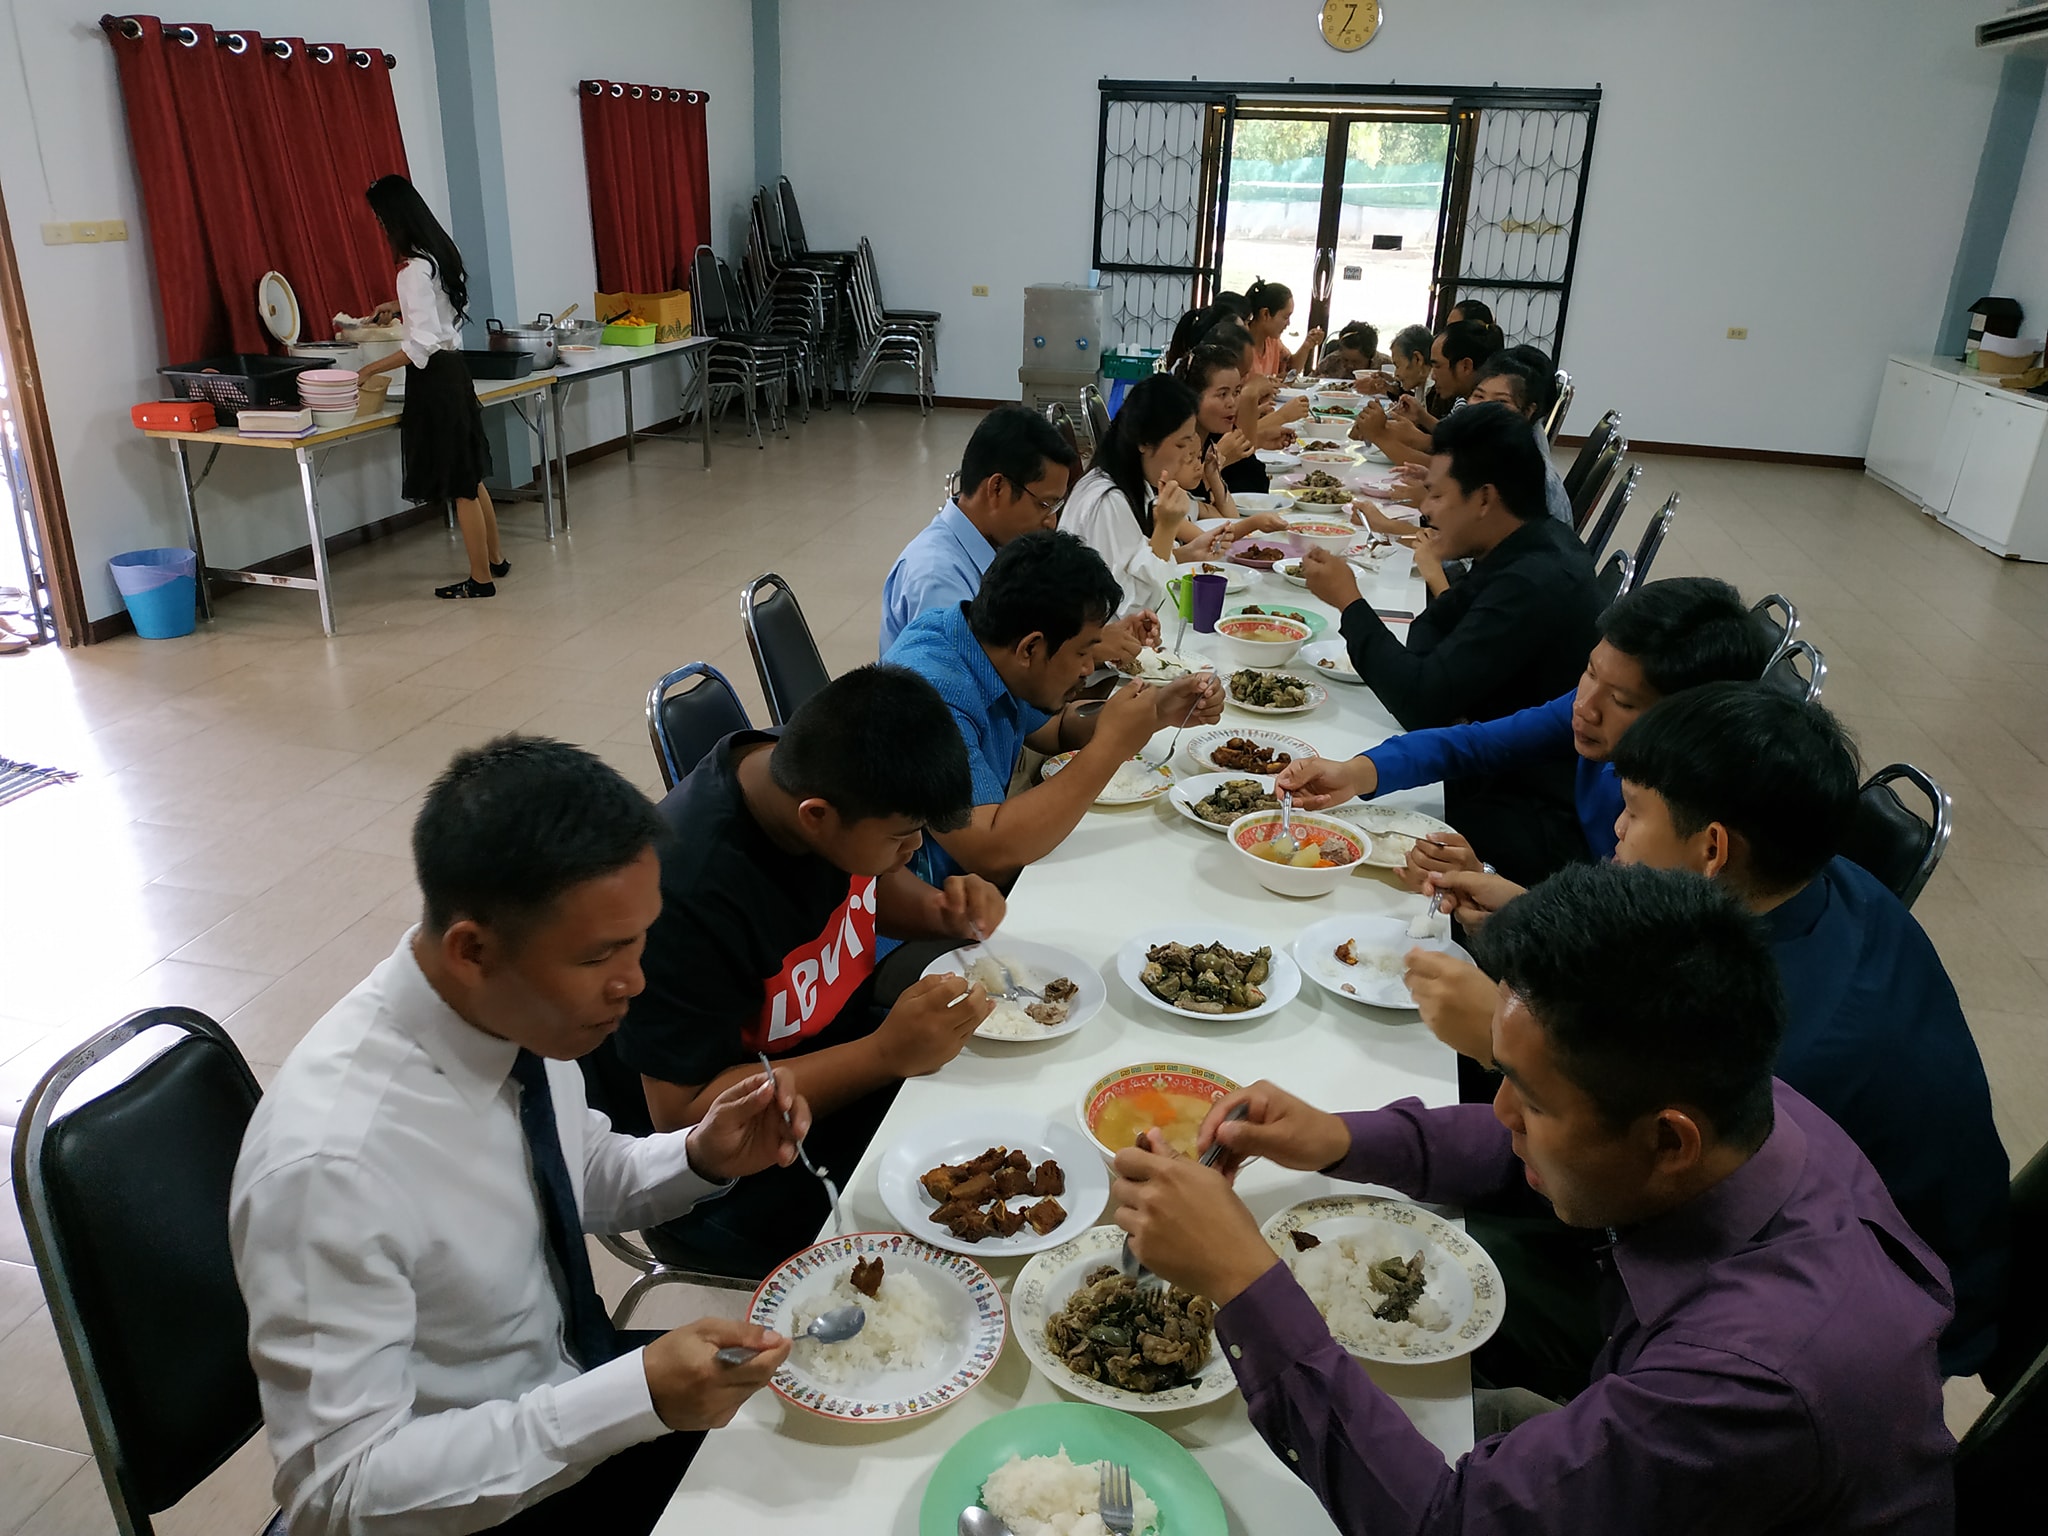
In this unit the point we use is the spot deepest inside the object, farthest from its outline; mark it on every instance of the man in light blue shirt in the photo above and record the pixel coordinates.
(1014, 478)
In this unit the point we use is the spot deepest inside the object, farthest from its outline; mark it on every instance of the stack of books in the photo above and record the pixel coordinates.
(274, 423)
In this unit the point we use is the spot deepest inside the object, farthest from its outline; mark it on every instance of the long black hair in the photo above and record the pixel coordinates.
(410, 226)
(1264, 298)
(1155, 409)
(1200, 366)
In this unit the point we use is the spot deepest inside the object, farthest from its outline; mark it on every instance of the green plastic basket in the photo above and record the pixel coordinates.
(630, 335)
(1131, 366)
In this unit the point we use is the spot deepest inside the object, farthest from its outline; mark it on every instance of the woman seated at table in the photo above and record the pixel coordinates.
(1268, 425)
(1272, 311)
(1213, 373)
(1353, 350)
(1193, 328)
(1133, 507)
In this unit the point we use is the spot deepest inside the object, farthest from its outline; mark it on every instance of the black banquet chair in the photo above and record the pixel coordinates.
(1998, 1463)
(1611, 514)
(1784, 671)
(1097, 412)
(1780, 621)
(1606, 432)
(785, 655)
(1614, 577)
(1606, 471)
(688, 710)
(1891, 839)
(1553, 423)
(1652, 541)
(124, 1200)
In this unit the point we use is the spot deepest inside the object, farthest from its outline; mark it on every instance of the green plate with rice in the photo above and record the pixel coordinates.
(1170, 1477)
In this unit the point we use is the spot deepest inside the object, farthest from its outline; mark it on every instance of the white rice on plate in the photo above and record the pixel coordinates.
(1133, 779)
(905, 1330)
(1335, 1279)
(1054, 1496)
(1009, 1019)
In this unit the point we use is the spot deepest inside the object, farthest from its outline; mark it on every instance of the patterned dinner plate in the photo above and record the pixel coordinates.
(1043, 1289)
(970, 1308)
(1458, 1275)
(1135, 783)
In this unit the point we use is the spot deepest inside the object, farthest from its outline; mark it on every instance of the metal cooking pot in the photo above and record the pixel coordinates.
(538, 338)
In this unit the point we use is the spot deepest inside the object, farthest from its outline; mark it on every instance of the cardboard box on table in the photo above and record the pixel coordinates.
(669, 313)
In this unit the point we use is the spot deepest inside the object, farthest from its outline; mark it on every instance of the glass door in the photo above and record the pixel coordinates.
(1344, 206)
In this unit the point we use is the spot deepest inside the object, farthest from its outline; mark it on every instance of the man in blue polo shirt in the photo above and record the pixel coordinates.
(1009, 665)
(1014, 477)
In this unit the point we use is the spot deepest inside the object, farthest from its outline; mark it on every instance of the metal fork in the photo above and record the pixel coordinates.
(1127, 1261)
(823, 1175)
(1173, 745)
(1117, 1511)
(1012, 988)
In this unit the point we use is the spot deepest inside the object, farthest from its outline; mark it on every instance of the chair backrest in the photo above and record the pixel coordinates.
(1610, 515)
(792, 216)
(1784, 672)
(1604, 431)
(1606, 470)
(688, 710)
(124, 1199)
(1653, 540)
(1780, 621)
(1554, 422)
(613, 1089)
(709, 312)
(1998, 1462)
(1891, 839)
(1614, 577)
(785, 655)
(1063, 424)
(1098, 417)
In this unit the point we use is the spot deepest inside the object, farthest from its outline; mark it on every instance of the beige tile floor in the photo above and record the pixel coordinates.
(237, 840)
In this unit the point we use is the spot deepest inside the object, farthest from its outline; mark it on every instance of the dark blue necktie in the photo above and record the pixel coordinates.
(591, 1337)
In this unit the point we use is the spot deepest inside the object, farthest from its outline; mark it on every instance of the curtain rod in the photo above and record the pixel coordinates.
(640, 92)
(130, 28)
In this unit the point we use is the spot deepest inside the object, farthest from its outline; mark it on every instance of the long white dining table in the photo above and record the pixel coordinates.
(777, 1468)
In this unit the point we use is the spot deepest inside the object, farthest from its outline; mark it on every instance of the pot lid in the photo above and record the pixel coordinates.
(278, 306)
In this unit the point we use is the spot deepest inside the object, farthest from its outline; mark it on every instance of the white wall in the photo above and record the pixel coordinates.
(2023, 264)
(1802, 170)
(64, 155)
(699, 44)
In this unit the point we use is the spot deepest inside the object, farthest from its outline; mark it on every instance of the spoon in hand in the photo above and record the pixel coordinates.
(834, 1327)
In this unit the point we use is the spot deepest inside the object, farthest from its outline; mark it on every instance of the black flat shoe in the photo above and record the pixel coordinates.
(468, 587)
(501, 568)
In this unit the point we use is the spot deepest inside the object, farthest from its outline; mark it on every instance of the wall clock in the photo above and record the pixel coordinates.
(1350, 24)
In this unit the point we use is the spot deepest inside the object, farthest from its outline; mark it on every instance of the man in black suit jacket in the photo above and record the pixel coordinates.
(1513, 632)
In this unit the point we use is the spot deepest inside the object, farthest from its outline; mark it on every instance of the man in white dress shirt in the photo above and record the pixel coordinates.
(409, 1205)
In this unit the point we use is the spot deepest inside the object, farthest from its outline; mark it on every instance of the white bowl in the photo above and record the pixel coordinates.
(1340, 839)
(1245, 650)
(334, 418)
(575, 355)
(1333, 534)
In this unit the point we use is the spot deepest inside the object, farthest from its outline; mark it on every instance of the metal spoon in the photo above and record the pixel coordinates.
(976, 1521)
(1127, 1261)
(823, 1175)
(834, 1327)
(1284, 843)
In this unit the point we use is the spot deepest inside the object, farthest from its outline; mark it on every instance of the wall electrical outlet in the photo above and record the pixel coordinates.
(114, 229)
(1738, 333)
(56, 234)
(979, 290)
(86, 232)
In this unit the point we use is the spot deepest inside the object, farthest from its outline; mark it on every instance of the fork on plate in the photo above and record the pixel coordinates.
(1117, 1510)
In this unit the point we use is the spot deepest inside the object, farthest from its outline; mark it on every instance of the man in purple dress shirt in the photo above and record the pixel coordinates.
(1770, 1359)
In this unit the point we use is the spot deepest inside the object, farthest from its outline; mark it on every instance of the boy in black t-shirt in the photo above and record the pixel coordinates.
(789, 853)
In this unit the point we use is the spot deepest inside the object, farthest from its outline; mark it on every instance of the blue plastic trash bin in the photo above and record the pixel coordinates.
(161, 589)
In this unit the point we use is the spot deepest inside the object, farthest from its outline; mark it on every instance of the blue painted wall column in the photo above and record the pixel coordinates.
(466, 73)
(768, 92)
(1998, 184)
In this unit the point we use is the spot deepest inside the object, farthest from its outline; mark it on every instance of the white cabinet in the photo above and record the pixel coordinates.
(1966, 451)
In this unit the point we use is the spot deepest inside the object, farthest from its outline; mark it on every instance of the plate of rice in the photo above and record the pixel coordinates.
(1051, 1280)
(1396, 1283)
(1361, 958)
(1394, 829)
(934, 1328)
(1038, 966)
(1134, 783)
(1038, 1470)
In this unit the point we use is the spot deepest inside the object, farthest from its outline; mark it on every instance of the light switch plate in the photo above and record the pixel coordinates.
(979, 290)
(86, 232)
(1738, 333)
(56, 234)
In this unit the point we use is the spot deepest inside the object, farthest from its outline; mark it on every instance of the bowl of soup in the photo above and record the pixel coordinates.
(1332, 533)
(1324, 854)
(1167, 1096)
(1258, 640)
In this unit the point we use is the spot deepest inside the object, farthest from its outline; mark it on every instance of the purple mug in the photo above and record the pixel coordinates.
(1208, 601)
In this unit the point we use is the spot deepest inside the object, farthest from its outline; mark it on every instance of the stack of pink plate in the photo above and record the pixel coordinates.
(330, 393)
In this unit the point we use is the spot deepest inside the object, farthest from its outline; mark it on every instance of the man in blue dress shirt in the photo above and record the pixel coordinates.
(1014, 477)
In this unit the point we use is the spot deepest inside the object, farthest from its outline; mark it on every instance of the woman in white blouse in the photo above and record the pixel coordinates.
(441, 435)
(1133, 508)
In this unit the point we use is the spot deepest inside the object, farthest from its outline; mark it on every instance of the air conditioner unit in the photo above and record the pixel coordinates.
(2025, 29)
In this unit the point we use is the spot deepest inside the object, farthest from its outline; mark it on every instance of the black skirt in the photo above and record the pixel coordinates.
(441, 433)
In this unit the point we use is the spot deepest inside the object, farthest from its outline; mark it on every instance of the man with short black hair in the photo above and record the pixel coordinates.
(1770, 1317)
(1513, 633)
(1504, 380)
(791, 855)
(408, 1210)
(1014, 477)
(1009, 665)
(1456, 355)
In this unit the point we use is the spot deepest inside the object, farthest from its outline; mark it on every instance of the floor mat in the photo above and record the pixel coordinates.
(18, 779)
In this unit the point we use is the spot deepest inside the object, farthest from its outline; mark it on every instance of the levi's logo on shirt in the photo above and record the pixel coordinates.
(817, 978)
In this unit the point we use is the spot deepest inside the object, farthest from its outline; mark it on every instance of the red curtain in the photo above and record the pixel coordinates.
(253, 154)
(650, 183)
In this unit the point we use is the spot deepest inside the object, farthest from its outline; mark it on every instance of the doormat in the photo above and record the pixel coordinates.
(18, 779)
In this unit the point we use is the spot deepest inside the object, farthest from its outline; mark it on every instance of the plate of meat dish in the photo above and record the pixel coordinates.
(1208, 971)
(1274, 693)
(1094, 1334)
(1261, 551)
(1246, 749)
(1007, 1182)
